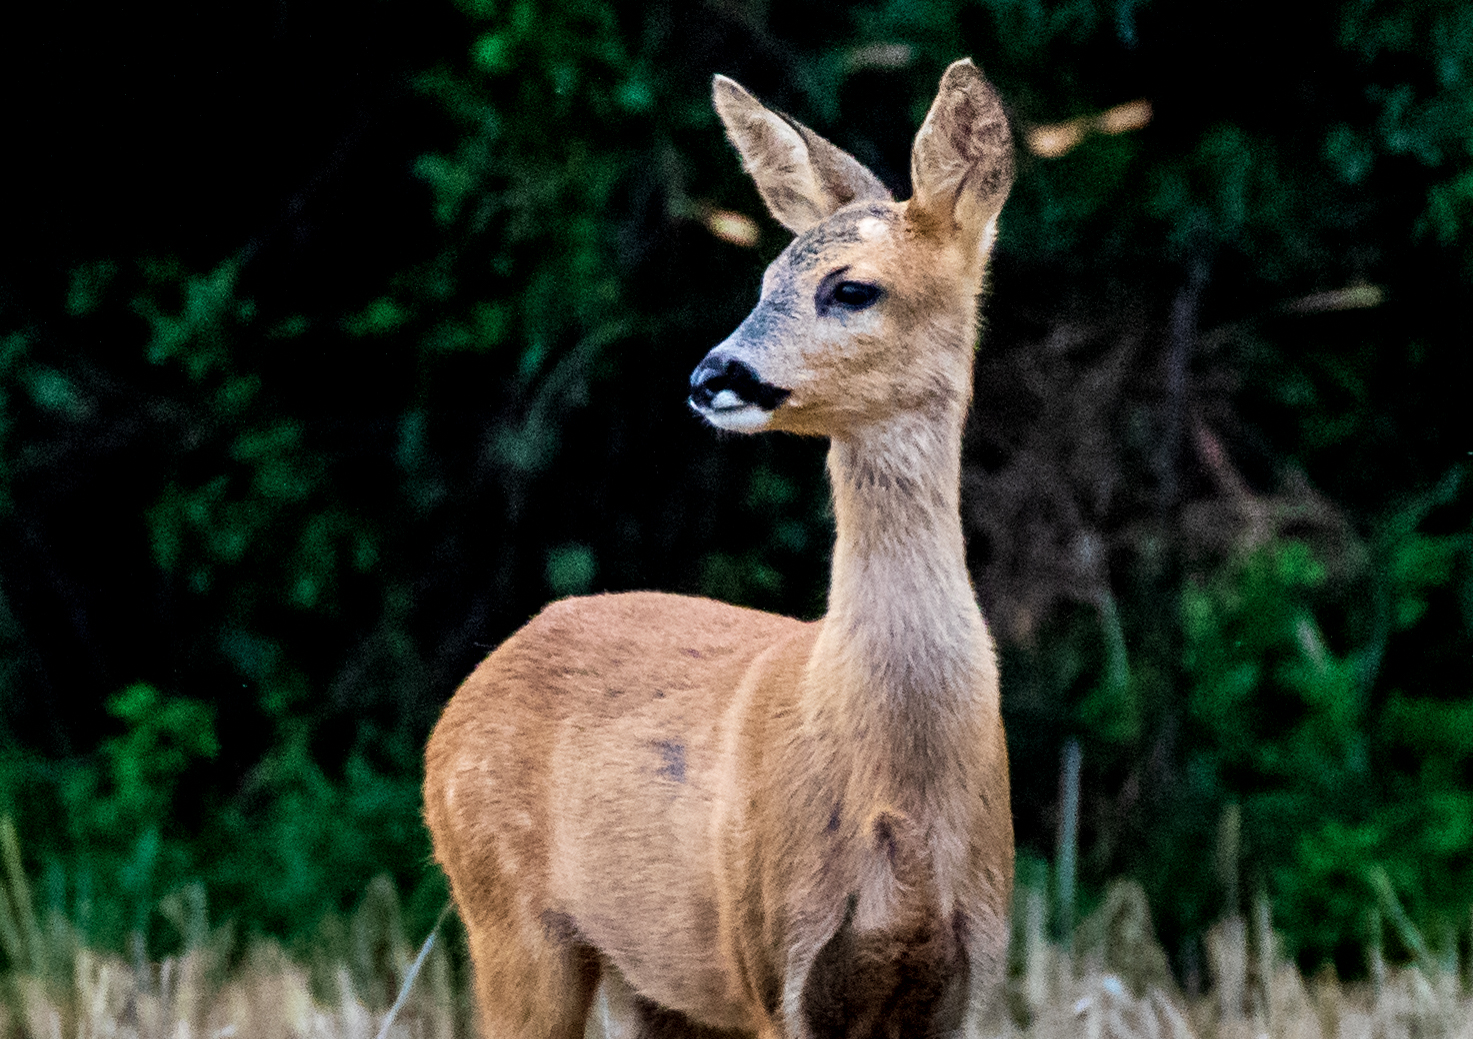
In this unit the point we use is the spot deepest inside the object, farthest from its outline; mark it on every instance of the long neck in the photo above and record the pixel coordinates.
(904, 645)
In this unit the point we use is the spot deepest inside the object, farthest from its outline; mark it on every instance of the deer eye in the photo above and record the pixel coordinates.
(855, 295)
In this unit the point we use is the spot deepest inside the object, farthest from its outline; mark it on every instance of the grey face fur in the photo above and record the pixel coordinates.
(808, 285)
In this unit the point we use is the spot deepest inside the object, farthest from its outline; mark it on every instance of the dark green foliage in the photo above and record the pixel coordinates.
(1338, 785)
(303, 414)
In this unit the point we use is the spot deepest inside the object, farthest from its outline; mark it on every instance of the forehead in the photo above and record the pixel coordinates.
(821, 244)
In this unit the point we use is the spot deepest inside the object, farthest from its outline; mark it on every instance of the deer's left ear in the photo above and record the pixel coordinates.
(961, 165)
(802, 177)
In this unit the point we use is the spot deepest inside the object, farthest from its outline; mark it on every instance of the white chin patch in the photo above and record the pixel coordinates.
(739, 416)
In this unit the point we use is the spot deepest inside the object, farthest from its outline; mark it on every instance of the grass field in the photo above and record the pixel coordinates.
(1114, 983)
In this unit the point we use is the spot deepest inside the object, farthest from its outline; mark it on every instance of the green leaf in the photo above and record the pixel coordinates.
(493, 52)
(571, 569)
(381, 317)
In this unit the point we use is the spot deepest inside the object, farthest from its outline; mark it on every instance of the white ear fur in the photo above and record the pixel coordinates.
(802, 177)
(962, 161)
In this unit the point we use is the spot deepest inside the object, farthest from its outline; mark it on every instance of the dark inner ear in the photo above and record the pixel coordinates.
(962, 160)
(843, 177)
(802, 178)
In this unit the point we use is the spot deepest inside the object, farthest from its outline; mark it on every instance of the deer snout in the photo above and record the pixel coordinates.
(729, 394)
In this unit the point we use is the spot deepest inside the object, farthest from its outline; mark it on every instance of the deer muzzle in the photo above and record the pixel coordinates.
(729, 394)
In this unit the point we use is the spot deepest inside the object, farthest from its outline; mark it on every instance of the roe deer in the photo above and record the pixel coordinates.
(727, 820)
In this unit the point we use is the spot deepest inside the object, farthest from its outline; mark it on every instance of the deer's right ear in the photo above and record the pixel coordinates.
(802, 177)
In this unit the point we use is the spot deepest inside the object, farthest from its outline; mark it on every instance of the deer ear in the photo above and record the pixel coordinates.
(802, 177)
(961, 165)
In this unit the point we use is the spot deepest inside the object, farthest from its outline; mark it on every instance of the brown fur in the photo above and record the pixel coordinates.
(728, 821)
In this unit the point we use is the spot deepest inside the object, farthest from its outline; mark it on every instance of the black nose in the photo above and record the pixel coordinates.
(715, 374)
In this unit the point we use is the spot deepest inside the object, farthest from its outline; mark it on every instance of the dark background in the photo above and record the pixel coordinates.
(336, 339)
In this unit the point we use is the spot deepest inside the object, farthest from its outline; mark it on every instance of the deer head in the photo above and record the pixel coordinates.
(871, 309)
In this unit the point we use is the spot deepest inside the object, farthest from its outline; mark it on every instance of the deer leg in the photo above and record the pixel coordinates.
(532, 989)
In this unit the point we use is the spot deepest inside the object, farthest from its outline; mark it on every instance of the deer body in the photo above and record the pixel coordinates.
(735, 821)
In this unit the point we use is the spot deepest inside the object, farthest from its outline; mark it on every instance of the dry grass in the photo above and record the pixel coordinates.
(340, 987)
(1114, 984)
